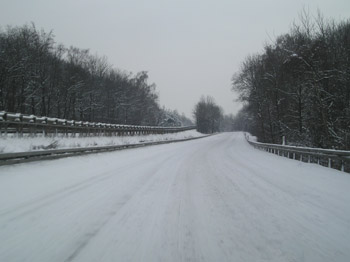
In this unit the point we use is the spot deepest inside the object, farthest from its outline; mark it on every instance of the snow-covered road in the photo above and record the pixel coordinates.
(213, 199)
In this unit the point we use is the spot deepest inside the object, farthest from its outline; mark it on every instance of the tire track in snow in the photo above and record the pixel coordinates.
(35, 204)
(47, 200)
(90, 235)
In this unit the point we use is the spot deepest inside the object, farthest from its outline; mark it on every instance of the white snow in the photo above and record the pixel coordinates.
(212, 199)
(11, 144)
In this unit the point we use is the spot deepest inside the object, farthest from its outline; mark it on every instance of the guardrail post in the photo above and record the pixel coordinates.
(342, 166)
(329, 162)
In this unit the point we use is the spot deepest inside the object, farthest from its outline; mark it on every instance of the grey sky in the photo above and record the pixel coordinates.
(190, 48)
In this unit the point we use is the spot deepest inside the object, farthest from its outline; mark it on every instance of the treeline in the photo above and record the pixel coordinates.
(299, 87)
(210, 117)
(173, 118)
(40, 77)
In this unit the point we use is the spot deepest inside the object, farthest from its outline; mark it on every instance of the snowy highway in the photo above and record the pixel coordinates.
(212, 199)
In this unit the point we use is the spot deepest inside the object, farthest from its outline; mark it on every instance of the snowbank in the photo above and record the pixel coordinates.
(15, 144)
(251, 137)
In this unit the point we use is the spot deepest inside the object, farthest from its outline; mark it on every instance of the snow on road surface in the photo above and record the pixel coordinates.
(212, 199)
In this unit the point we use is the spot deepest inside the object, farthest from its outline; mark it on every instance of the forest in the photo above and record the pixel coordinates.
(40, 77)
(299, 86)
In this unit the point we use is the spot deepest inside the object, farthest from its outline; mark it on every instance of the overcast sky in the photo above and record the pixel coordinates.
(189, 47)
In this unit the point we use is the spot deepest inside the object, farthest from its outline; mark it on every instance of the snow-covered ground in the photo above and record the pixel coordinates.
(24, 144)
(212, 199)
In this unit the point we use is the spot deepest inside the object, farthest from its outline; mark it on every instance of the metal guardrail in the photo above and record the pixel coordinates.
(23, 157)
(16, 123)
(337, 159)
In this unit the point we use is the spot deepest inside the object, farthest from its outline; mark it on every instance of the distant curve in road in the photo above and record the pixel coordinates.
(213, 199)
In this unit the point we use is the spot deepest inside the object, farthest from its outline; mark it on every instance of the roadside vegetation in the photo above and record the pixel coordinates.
(299, 86)
(41, 77)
